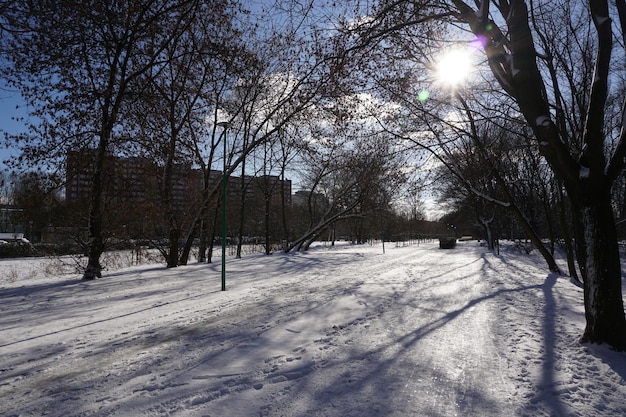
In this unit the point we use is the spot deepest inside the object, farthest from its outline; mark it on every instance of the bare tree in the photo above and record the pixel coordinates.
(552, 64)
(175, 101)
(588, 175)
(76, 64)
(293, 66)
(349, 167)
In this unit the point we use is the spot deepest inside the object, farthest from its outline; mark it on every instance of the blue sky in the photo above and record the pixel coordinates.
(8, 103)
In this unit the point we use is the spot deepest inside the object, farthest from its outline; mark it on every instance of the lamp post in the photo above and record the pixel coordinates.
(225, 126)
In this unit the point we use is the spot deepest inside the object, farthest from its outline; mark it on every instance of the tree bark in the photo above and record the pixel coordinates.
(93, 269)
(204, 230)
(242, 207)
(567, 237)
(486, 224)
(188, 243)
(604, 307)
(266, 219)
(283, 210)
(172, 254)
(172, 221)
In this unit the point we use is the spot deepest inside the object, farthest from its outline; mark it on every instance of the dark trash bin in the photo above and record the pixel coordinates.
(447, 242)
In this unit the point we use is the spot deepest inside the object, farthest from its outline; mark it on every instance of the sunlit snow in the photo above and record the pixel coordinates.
(342, 331)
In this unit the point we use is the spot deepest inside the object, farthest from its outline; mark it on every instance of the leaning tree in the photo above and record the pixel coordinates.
(557, 64)
(524, 69)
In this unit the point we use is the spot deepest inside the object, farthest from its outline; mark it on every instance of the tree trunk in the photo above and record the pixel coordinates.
(172, 223)
(204, 219)
(266, 220)
(188, 244)
(307, 244)
(579, 243)
(283, 209)
(589, 175)
(200, 225)
(604, 307)
(547, 210)
(96, 240)
(486, 224)
(567, 238)
(204, 230)
(242, 208)
(172, 254)
(535, 239)
(211, 236)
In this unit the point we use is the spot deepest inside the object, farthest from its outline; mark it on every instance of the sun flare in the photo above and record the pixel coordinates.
(453, 67)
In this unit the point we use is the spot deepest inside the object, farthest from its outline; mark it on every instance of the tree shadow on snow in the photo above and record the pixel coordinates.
(373, 390)
(546, 395)
(352, 380)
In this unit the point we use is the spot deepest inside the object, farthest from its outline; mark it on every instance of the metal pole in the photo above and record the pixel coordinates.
(224, 221)
(224, 180)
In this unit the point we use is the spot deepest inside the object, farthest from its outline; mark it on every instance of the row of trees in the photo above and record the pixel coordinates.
(347, 99)
(261, 219)
(576, 121)
(187, 82)
(544, 119)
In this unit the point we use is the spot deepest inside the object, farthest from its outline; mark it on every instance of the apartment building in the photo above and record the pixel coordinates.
(136, 179)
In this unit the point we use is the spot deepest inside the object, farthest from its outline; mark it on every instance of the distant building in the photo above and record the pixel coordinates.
(135, 179)
(8, 214)
(79, 175)
(270, 185)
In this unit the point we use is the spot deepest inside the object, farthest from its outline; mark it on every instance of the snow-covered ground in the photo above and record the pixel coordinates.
(343, 331)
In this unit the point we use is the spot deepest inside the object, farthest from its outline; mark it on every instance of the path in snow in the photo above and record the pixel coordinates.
(420, 346)
(344, 332)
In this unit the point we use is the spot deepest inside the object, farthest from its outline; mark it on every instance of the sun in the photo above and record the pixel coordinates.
(453, 67)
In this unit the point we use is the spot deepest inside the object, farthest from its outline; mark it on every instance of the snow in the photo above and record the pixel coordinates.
(341, 331)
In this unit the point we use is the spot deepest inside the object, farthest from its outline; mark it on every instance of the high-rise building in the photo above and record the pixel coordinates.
(139, 180)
